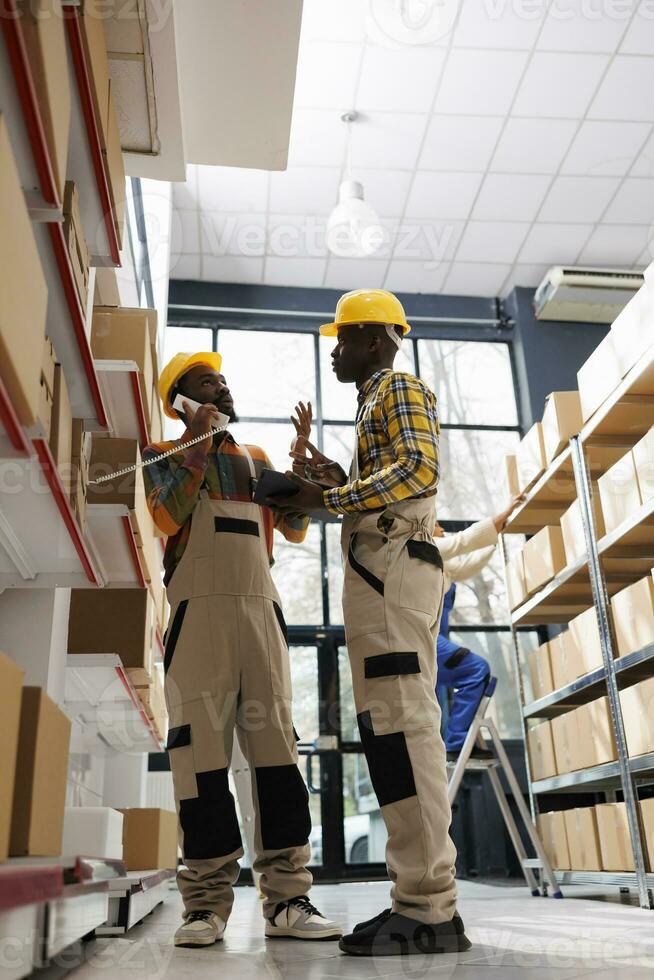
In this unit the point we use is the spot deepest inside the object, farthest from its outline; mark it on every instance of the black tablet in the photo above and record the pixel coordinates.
(273, 484)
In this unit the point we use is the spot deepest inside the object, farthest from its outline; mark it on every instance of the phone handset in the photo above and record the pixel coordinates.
(218, 424)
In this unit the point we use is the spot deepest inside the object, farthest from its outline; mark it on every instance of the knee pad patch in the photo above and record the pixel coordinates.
(283, 807)
(389, 762)
(209, 823)
(455, 659)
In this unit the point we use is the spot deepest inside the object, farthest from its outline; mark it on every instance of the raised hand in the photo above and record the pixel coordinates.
(318, 467)
(302, 426)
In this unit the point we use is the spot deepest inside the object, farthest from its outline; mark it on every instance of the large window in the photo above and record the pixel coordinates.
(268, 371)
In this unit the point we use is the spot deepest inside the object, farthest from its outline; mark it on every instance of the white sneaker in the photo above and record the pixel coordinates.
(299, 919)
(201, 928)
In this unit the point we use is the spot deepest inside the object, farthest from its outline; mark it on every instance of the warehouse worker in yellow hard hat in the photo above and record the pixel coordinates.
(226, 665)
(392, 603)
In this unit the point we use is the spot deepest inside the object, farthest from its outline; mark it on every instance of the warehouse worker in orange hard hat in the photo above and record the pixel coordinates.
(392, 604)
(226, 666)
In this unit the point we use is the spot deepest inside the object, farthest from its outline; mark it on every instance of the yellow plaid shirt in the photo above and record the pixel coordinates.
(398, 434)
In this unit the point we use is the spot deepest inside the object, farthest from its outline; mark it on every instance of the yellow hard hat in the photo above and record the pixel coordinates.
(366, 306)
(176, 367)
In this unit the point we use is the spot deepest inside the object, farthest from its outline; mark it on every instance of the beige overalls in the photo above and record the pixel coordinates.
(227, 666)
(392, 603)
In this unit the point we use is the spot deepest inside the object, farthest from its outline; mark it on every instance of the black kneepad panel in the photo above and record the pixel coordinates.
(389, 763)
(283, 807)
(209, 821)
(455, 659)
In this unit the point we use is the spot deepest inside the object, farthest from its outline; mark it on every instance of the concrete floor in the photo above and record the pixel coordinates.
(513, 935)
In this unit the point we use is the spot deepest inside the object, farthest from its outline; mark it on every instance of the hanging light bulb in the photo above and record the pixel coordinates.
(353, 227)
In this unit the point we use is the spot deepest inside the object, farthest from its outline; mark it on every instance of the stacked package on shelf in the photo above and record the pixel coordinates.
(76, 245)
(596, 838)
(11, 684)
(122, 334)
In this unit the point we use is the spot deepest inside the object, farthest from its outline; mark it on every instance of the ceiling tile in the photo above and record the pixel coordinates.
(232, 234)
(232, 189)
(476, 279)
(294, 236)
(480, 82)
(605, 148)
(578, 199)
(559, 85)
(403, 80)
(230, 268)
(388, 139)
(436, 195)
(510, 197)
(415, 277)
(633, 203)
(327, 75)
(639, 38)
(615, 245)
(577, 25)
(533, 145)
(486, 239)
(339, 20)
(392, 25)
(295, 272)
(644, 164)
(554, 244)
(627, 91)
(355, 273)
(647, 258)
(317, 138)
(185, 194)
(497, 25)
(529, 276)
(385, 190)
(304, 190)
(185, 267)
(426, 242)
(184, 232)
(460, 143)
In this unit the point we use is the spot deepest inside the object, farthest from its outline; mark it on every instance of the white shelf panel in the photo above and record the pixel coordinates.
(111, 538)
(122, 396)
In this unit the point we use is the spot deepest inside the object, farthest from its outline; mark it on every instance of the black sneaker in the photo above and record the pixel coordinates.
(477, 753)
(397, 935)
(370, 922)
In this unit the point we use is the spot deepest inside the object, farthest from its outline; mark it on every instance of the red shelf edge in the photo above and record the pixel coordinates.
(11, 423)
(133, 550)
(138, 404)
(65, 509)
(29, 886)
(84, 86)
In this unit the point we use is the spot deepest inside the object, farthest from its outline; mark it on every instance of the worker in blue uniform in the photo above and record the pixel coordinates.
(464, 555)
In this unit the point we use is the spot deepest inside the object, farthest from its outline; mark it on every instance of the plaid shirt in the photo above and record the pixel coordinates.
(173, 486)
(397, 443)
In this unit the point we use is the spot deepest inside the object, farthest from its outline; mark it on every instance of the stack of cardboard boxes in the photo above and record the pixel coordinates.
(595, 838)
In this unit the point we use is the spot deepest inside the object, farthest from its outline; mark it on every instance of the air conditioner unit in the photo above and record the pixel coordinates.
(585, 295)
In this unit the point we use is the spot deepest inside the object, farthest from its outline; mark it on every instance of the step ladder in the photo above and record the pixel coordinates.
(492, 766)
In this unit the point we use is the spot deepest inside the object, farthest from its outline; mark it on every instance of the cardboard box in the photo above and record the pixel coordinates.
(530, 459)
(614, 837)
(152, 696)
(79, 470)
(516, 583)
(511, 476)
(637, 703)
(115, 168)
(596, 741)
(561, 420)
(541, 751)
(61, 431)
(48, 365)
(565, 737)
(563, 658)
(583, 839)
(633, 329)
(114, 621)
(599, 377)
(93, 831)
(572, 527)
(643, 456)
(37, 820)
(44, 34)
(553, 834)
(80, 258)
(95, 48)
(23, 293)
(149, 839)
(123, 334)
(633, 616)
(544, 556)
(156, 418)
(647, 824)
(11, 683)
(44, 414)
(619, 492)
(585, 654)
(111, 455)
(540, 670)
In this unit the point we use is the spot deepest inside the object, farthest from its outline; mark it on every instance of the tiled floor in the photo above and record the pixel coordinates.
(513, 935)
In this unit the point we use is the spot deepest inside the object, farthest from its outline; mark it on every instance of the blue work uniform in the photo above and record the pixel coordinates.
(465, 672)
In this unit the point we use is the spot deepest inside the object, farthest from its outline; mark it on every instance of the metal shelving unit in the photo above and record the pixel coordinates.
(610, 563)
